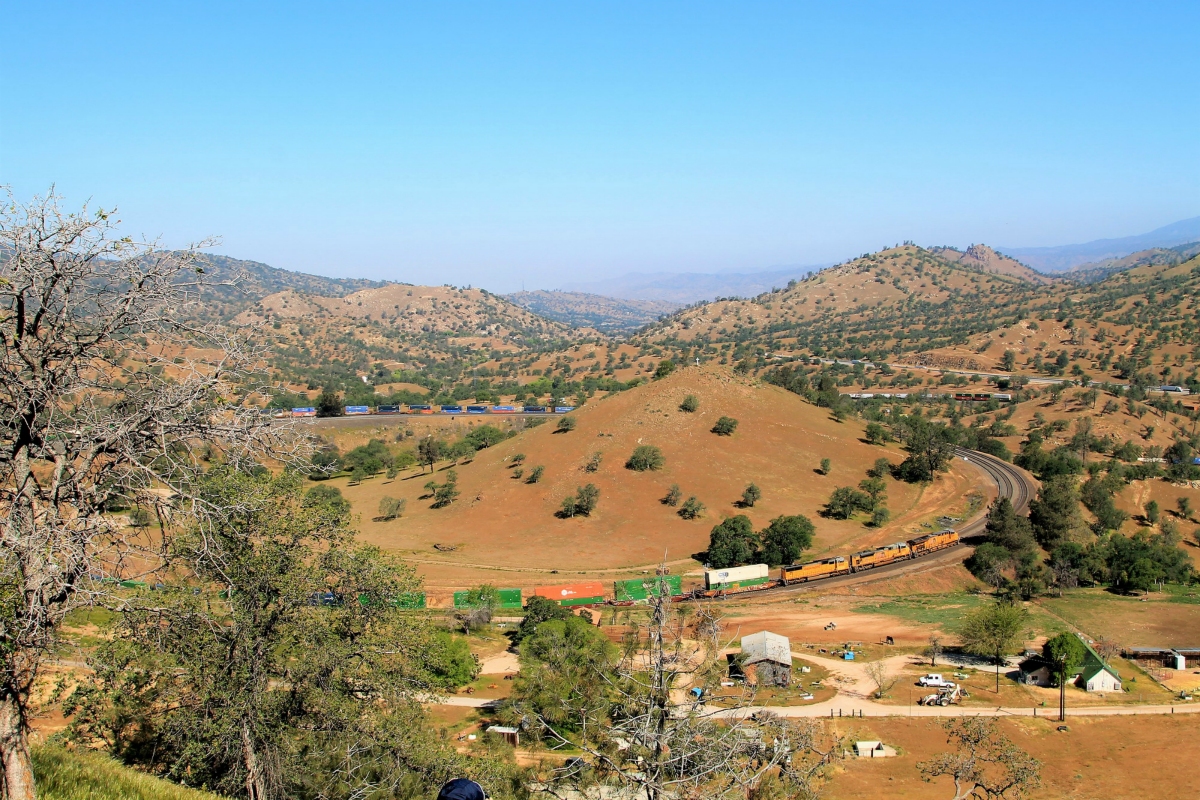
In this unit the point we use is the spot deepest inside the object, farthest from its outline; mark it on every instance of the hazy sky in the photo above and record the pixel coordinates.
(500, 142)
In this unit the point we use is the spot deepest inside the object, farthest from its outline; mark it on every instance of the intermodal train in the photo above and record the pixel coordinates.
(720, 583)
(352, 411)
(982, 397)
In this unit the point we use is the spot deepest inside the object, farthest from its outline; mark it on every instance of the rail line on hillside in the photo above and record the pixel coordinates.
(1012, 482)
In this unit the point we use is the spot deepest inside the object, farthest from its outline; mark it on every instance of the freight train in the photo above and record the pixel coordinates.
(980, 397)
(720, 583)
(385, 410)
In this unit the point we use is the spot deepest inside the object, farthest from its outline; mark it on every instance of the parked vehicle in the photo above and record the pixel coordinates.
(934, 679)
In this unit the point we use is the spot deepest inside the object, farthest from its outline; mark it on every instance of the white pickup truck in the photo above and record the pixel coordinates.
(934, 679)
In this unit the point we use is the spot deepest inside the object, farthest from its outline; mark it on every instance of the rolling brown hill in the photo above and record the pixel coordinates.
(985, 259)
(501, 521)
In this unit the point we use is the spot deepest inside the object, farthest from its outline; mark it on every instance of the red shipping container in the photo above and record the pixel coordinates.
(571, 593)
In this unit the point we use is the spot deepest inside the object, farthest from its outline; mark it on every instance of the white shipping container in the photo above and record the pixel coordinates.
(716, 577)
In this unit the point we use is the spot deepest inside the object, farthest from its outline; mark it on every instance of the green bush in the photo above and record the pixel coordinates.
(692, 508)
(690, 404)
(725, 426)
(646, 457)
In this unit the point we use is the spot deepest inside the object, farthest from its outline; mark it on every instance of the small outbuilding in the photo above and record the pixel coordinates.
(873, 749)
(1096, 674)
(1036, 671)
(767, 659)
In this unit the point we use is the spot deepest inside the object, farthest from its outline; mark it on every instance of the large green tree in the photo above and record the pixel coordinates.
(1054, 513)
(994, 631)
(732, 542)
(1066, 654)
(786, 539)
(279, 642)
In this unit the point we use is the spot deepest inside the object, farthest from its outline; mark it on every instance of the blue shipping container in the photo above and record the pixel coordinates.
(452, 409)
(563, 409)
(358, 410)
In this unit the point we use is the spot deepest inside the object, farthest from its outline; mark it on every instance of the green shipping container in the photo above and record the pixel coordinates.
(411, 600)
(643, 588)
(582, 601)
(509, 599)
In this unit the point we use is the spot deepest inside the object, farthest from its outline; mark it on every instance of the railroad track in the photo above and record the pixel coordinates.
(1014, 483)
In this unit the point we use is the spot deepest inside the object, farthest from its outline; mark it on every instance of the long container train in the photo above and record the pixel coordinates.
(718, 583)
(384, 410)
(726, 582)
(980, 397)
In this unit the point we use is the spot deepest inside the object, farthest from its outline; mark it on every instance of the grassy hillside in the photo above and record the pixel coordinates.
(503, 521)
(67, 775)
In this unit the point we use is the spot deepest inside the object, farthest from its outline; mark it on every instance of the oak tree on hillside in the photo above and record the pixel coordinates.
(732, 542)
(646, 457)
(109, 396)
(786, 539)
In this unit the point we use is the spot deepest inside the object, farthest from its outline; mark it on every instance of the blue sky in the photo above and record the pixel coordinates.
(544, 143)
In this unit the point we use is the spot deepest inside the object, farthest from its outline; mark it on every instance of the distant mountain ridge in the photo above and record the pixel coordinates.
(583, 310)
(1065, 257)
(685, 288)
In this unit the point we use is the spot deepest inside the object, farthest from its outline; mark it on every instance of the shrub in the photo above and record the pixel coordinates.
(517, 459)
(665, 368)
(391, 507)
(593, 463)
(879, 517)
(725, 426)
(140, 517)
(881, 468)
(535, 474)
(582, 504)
(750, 495)
(566, 424)
(645, 457)
(692, 508)
(826, 465)
(690, 404)
(876, 433)
(674, 495)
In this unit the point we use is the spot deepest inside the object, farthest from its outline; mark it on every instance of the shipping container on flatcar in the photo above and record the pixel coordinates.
(644, 588)
(357, 410)
(304, 412)
(879, 556)
(505, 409)
(411, 600)
(1005, 396)
(451, 409)
(932, 542)
(737, 577)
(811, 570)
(506, 599)
(534, 409)
(420, 409)
(388, 410)
(573, 594)
(477, 409)
(563, 409)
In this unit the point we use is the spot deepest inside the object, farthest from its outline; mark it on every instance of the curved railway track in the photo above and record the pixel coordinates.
(1012, 482)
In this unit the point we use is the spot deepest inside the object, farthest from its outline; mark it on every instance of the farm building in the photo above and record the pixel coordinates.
(1036, 671)
(767, 659)
(1096, 675)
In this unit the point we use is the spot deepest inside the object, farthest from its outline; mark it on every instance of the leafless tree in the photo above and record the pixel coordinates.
(934, 649)
(884, 680)
(109, 396)
(655, 740)
(985, 765)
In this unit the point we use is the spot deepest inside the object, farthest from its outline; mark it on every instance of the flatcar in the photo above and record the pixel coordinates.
(451, 409)
(420, 409)
(880, 556)
(534, 409)
(354, 411)
(477, 409)
(825, 568)
(387, 410)
(932, 542)
(304, 412)
(505, 409)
